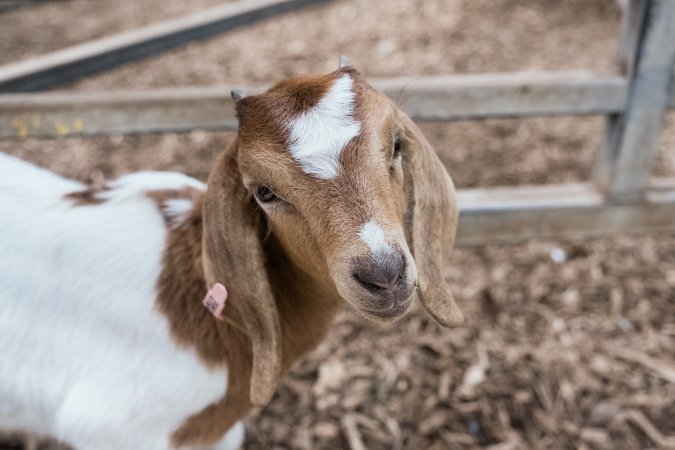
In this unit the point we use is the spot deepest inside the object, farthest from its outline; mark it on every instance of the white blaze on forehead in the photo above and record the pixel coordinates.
(319, 134)
(373, 236)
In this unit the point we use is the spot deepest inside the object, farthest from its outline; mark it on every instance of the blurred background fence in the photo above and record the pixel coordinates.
(618, 198)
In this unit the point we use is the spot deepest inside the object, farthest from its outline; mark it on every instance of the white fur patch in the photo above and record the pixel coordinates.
(177, 210)
(140, 183)
(373, 236)
(86, 356)
(319, 135)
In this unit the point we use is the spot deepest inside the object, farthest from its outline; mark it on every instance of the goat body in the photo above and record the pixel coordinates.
(87, 356)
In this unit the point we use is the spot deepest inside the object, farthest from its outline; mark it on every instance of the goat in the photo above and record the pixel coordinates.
(321, 199)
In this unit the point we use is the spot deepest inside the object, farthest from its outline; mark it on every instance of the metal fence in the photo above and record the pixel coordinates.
(619, 198)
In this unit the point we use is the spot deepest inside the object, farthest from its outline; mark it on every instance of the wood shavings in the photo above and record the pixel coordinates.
(648, 428)
(352, 433)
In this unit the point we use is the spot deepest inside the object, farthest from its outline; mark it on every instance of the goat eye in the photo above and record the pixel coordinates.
(397, 147)
(264, 194)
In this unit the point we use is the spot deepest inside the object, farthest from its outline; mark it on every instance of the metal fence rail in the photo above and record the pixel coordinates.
(74, 62)
(573, 209)
(424, 98)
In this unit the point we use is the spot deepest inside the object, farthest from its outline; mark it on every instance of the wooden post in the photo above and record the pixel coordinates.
(632, 137)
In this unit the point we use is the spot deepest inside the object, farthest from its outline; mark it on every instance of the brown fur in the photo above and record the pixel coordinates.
(286, 286)
(87, 196)
(304, 323)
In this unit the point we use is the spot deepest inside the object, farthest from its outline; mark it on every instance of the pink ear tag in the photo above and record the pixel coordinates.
(215, 300)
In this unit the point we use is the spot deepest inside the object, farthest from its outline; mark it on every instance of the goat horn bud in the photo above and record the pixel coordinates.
(344, 62)
(237, 94)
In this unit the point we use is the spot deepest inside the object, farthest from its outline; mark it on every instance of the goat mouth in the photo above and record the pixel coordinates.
(390, 312)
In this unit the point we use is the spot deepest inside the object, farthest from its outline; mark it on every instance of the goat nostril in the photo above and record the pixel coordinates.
(389, 285)
(378, 283)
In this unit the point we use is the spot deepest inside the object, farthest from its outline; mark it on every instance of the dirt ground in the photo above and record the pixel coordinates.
(567, 343)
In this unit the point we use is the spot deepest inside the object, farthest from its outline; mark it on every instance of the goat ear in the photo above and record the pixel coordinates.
(233, 255)
(431, 221)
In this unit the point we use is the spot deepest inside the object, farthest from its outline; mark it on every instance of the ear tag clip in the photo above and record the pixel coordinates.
(215, 300)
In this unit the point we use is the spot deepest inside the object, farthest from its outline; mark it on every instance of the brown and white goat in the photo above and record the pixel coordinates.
(328, 195)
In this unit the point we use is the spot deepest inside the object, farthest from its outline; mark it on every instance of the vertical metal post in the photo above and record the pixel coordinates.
(632, 23)
(631, 141)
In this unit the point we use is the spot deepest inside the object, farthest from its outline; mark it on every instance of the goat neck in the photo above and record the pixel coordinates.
(306, 311)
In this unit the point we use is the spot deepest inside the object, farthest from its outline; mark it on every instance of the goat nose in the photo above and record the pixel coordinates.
(384, 273)
(389, 285)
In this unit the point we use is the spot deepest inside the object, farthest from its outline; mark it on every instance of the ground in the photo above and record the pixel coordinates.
(567, 343)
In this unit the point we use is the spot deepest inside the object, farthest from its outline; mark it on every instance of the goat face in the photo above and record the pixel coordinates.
(332, 163)
(351, 191)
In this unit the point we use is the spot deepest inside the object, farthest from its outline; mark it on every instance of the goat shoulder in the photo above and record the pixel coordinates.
(86, 353)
